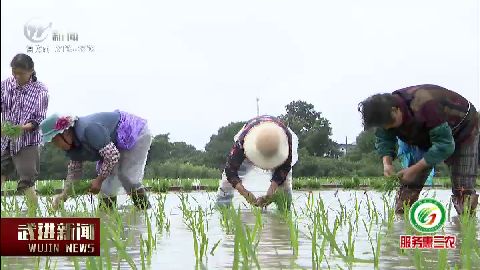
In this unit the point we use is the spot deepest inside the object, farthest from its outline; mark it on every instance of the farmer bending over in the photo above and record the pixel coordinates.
(438, 121)
(120, 143)
(264, 143)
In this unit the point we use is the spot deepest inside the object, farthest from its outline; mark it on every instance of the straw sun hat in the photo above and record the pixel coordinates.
(266, 145)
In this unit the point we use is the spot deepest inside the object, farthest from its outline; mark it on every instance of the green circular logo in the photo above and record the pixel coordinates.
(427, 215)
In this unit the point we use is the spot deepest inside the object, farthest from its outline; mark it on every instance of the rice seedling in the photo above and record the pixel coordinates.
(349, 247)
(197, 223)
(187, 185)
(390, 184)
(469, 244)
(142, 252)
(80, 187)
(244, 243)
(212, 251)
(161, 219)
(121, 247)
(105, 245)
(47, 188)
(10, 130)
(160, 185)
(293, 229)
(352, 183)
(151, 242)
(226, 219)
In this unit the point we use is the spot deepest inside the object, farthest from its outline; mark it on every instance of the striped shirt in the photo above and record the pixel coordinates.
(21, 105)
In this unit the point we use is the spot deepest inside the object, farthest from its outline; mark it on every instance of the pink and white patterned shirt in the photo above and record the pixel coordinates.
(21, 105)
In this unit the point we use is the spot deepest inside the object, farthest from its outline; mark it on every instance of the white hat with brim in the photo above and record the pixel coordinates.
(266, 145)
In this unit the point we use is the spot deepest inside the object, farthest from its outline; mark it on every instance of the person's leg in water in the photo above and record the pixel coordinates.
(7, 166)
(109, 191)
(226, 192)
(463, 172)
(407, 194)
(27, 163)
(132, 168)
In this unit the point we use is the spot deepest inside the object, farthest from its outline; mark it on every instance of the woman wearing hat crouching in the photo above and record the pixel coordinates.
(118, 141)
(264, 142)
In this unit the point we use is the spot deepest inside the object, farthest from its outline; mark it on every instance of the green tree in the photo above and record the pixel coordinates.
(220, 144)
(312, 129)
(53, 164)
(160, 149)
(366, 141)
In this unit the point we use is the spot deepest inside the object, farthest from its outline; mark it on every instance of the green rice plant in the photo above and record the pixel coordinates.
(357, 211)
(442, 260)
(419, 259)
(226, 219)
(391, 218)
(46, 188)
(187, 185)
(353, 183)
(105, 245)
(258, 218)
(197, 223)
(375, 212)
(186, 212)
(391, 183)
(296, 185)
(376, 185)
(469, 249)
(243, 243)
(151, 242)
(347, 254)
(375, 251)
(313, 183)
(160, 185)
(121, 246)
(283, 200)
(161, 219)
(293, 229)
(11, 130)
(313, 235)
(212, 251)
(142, 252)
(368, 229)
(202, 225)
(79, 187)
(349, 247)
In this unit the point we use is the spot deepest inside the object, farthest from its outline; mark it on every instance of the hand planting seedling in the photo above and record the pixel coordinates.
(391, 183)
(11, 130)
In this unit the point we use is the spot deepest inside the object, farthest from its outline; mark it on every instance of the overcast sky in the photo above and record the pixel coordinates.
(190, 67)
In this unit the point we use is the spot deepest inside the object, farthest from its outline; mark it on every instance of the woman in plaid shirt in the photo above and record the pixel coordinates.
(24, 104)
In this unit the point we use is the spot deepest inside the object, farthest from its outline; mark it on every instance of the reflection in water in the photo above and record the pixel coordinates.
(131, 226)
(174, 250)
